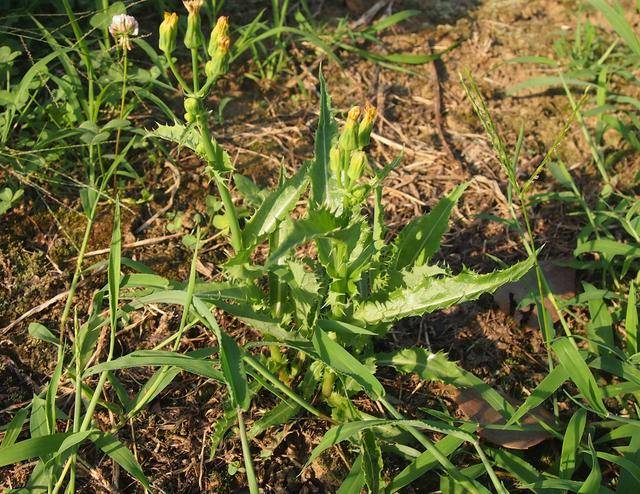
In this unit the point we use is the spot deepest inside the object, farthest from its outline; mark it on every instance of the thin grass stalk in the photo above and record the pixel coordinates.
(246, 454)
(123, 94)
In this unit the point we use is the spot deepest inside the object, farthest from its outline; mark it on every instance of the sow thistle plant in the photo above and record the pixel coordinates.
(329, 286)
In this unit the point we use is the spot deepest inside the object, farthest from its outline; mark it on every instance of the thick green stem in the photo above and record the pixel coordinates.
(225, 195)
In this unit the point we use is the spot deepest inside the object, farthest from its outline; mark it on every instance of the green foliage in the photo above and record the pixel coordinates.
(315, 274)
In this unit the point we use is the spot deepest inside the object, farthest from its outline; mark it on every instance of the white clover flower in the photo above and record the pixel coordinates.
(122, 27)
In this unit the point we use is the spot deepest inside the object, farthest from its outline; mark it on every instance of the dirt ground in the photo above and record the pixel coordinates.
(273, 123)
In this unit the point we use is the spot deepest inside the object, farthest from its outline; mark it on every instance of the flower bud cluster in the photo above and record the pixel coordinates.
(347, 160)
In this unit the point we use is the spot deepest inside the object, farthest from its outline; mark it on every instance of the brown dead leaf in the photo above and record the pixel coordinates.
(562, 283)
(477, 409)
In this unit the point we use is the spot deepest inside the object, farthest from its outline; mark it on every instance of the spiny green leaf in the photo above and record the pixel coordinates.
(320, 223)
(323, 184)
(420, 239)
(371, 460)
(275, 207)
(438, 293)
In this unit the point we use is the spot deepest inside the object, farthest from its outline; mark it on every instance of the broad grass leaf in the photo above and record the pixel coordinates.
(477, 409)
(426, 461)
(40, 446)
(592, 484)
(354, 481)
(344, 329)
(617, 367)
(436, 366)
(342, 432)
(340, 360)
(437, 293)
(569, 357)
(141, 358)
(629, 481)
(599, 327)
(615, 17)
(323, 183)
(420, 239)
(38, 421)
(275, 207)
(152, 388)
(280, 414)
(230, 358)
(115, 450)
(571, 443)
(608, 247)
(519, 468)
(631, 321)
(14, 428)
(549, 385)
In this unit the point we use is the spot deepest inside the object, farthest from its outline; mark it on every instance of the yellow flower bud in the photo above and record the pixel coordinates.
(356, 165)
(193, 6)
(353, 115)
(366, 126)
(219, 63)
(168, 32)
(218, 33)
(335, 160)
(193, 36)
(349, 137)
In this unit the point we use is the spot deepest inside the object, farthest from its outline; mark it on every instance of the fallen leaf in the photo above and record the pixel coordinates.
(477, 409)
(562, 283)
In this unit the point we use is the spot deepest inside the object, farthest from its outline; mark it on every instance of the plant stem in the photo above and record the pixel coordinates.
(225, 195)
(176, 74)
(123, 94)
(246, 453)
(194, 68)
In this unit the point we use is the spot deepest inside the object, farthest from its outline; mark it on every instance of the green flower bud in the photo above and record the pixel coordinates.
(335, 160)
(349, 137)
(192, 105)
(219, 64)
(218, 33)
(193, 36)
(356, 165)
(189, 117)
(168, 32)
(366, 126)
